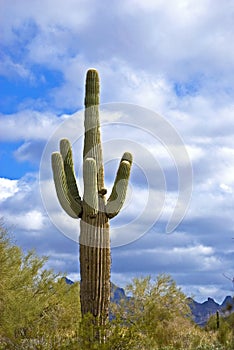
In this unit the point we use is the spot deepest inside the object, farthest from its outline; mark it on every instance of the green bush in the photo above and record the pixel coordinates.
(38, 310)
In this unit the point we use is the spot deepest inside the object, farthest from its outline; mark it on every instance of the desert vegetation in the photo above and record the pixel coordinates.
(39, 310)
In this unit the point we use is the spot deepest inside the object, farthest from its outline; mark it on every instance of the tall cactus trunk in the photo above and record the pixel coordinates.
(95, 258)
(95, 263)
(94, 211)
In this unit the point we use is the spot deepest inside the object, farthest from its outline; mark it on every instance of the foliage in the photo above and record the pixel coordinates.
(36, 305)
(157, 316)
(38, 310)
(224, 333)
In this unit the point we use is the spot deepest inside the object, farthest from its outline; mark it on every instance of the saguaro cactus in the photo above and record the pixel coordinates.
(93, 210)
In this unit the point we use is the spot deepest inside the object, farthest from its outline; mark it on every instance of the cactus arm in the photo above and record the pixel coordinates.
(72, 207)
(119, 190)
(90, 187)
(127, 156)
(66, 152)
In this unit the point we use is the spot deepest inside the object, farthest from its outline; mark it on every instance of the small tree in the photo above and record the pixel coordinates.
(37, 307)
(156, 316)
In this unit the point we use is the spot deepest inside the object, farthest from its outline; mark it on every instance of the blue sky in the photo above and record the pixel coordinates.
(176, 60)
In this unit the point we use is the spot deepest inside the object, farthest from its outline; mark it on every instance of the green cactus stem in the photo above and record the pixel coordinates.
(90, 188)
(93, 210)
(118, 194)
(71, 204)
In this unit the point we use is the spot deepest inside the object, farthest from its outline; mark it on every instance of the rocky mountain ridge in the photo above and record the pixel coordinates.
(201, 312)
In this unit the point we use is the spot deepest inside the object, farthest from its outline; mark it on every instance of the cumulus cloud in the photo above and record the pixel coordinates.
(31, 220)
(8, 188)
(20, 203)
(12, 69)
(27, 125)
(22, 210)
(140, 49)
(194, 266)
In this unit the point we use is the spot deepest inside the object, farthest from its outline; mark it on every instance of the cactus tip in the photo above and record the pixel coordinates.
(92, 73)
(92, 88)
(127, 156)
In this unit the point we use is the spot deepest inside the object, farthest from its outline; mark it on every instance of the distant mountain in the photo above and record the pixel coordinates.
(68, 281)
(117, 294)
(201, 312)
(228, 301)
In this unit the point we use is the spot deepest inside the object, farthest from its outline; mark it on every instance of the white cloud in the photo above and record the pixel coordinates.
(8, 188)
(28, 125)
(195, 44)
(72, 14)
(20, 205)
(31, 220)
(195, 250)
(226, 188)
(212, 291)
(12, 69)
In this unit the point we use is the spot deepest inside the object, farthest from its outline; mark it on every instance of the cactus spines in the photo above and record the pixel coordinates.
(119, 190)
(90, 203)
(94, 210)
(66, 152)
(71, 204)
